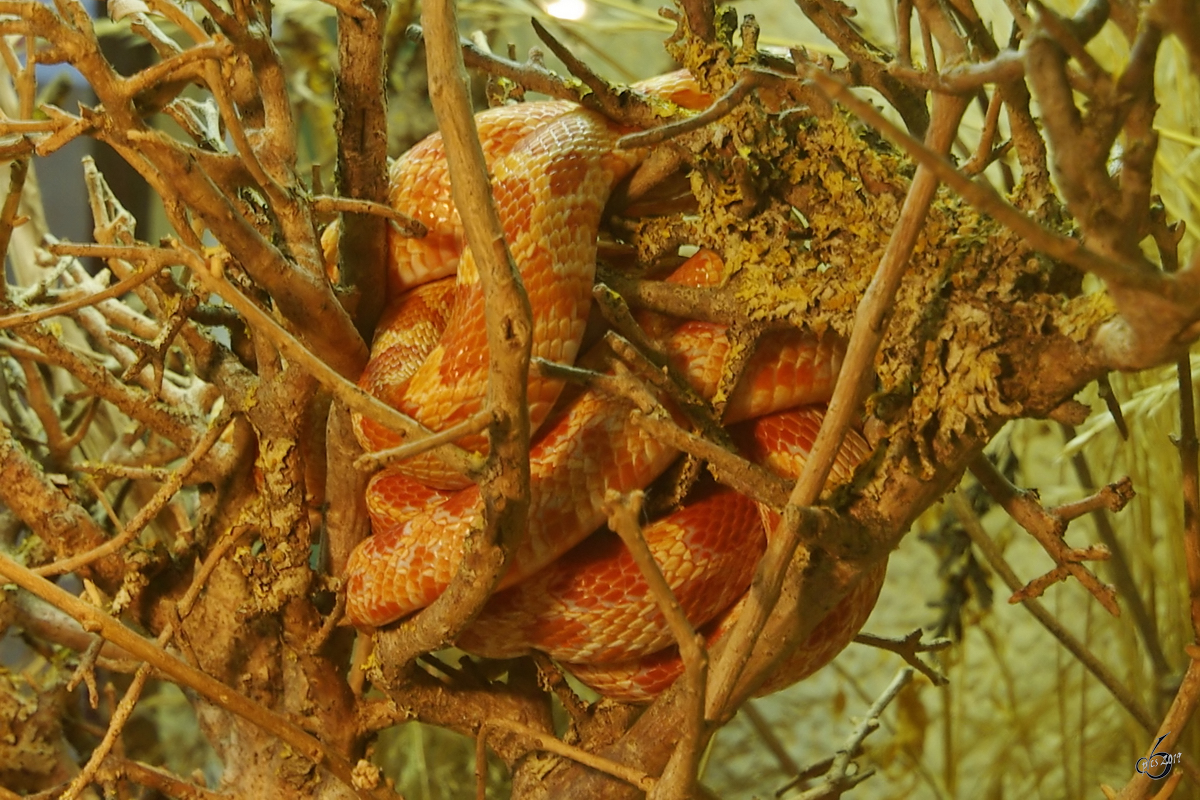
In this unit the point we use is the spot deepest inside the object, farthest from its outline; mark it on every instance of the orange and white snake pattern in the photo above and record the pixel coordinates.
(553, 166)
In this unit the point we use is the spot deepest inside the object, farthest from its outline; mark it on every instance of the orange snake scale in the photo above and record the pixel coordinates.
(553, 166)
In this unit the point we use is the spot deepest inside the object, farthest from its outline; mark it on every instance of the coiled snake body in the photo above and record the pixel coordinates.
(552, 167)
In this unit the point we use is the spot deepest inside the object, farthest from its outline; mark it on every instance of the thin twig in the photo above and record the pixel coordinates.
(908, 648)
(704, 304)
(67, 306)
(547, 742)
(762, 727)
(186, 63)
(995, 559)
(116, 724)
(730, 469)
(677, 778)
(984, 154)
(148, 511)
(963, 78)
(1127, 587)
(749, 80)
(656, 369)
(574, 65)
(38, 618)
(1048, 528)
(628, 107)
(839, 778)
(164, 782)
(237, 132)
(406, 225)
(213, 277)
(178, 425)
(370, 462)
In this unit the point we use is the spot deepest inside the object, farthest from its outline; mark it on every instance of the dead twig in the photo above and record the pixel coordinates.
(67, 306)
(764, 730)
(995, 559)
(116, 724)
(908, 648)
(677, 778)
(370, 462)
(730, 469)
(1122, 576)
(748, 81)
(727, 466)
(114, 768)
(626, 106)
(148, 511)
(1048, 526)
(212, 275)
(548, 743)
(406, 225)
(839, 779)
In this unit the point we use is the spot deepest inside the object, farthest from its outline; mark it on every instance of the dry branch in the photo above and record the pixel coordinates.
(1049, 526)
(509, 326)
(96, 620)
(679, 774)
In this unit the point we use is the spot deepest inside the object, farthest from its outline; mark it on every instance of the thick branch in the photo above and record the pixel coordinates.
(362, 157)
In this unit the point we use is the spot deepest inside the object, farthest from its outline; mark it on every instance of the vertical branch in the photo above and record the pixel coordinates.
(508, 321)
(1189, 451)
(362, 158)
(360, 99)
(8, 214)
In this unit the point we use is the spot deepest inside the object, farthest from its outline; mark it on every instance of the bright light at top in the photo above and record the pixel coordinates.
(567, 9)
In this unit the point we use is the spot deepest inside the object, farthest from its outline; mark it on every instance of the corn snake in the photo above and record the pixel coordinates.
(553, 166)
